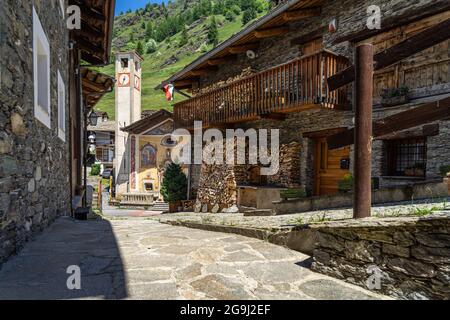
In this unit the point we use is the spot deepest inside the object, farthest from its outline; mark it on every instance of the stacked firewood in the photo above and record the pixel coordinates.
(217, 186)
(245, 73)
(289, 173)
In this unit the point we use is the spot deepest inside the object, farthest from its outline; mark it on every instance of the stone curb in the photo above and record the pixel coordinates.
(298, 239)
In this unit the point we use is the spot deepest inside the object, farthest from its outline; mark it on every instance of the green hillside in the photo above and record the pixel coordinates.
(177, 45)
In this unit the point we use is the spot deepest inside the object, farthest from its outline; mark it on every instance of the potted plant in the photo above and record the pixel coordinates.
(417, 170)
(174, 186)
(394, 97)
(346, 184)
(293, 193)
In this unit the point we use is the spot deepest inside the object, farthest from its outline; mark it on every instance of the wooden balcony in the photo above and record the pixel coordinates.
(291, 87)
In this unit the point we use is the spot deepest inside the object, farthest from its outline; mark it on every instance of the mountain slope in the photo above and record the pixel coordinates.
(176, 49)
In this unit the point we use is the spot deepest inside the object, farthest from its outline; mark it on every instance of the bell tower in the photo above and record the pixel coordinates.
(128, 111)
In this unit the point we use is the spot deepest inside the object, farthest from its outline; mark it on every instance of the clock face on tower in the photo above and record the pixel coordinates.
(124, 79)
(137, 83)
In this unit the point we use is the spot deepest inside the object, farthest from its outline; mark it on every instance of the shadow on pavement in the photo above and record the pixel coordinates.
(39, 271)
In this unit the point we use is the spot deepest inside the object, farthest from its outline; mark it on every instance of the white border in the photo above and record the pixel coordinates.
(38, 34)
(62, 3)
(61, 126)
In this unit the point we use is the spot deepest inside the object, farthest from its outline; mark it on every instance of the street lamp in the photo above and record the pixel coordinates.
(93, 119)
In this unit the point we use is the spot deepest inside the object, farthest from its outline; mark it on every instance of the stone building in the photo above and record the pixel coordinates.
(272, 75)
(45, 97)
(103, 135)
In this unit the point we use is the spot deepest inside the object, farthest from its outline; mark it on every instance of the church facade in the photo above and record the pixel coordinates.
(143, 144)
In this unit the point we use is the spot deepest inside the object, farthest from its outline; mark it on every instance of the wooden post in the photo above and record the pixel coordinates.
(363, 131)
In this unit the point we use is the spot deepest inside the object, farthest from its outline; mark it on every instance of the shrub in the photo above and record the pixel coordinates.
(249, 15)
(396, 92)
(140, 48)
(293, 193)
(174, 186)
(230, 16)
(151, 46)
(346, 184)
(95, 169)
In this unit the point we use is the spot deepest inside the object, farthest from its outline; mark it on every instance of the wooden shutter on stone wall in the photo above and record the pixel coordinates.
(426, 69)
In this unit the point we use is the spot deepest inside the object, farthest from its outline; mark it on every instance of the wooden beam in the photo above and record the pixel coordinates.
(424, 114)
(301, 14)
(417, 43)
(274, 116)
(88, 46)
(219, 61)
(89, 12)
(309, 36)
(323, 133)
(202, 72)
(185, 82)
(89, 32)
(90, 58)
(93, 85)
(272, 32)
(390, 23)
(243, 48)
(363, 131)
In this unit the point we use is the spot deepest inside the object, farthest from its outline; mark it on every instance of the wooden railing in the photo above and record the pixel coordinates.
(289, 87)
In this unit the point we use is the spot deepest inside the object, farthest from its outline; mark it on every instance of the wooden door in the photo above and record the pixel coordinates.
(331, 167)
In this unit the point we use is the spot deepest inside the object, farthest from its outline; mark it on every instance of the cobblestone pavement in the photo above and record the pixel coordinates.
(290, 220)
(142, 259)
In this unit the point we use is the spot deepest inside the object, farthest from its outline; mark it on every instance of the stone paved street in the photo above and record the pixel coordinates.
(137, 258)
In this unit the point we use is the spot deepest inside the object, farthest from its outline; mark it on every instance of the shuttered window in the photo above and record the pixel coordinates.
(427, 69)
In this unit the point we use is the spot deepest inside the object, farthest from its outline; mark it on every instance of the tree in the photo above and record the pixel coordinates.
(249, 15)
(230, 16)
(184, 37)
(149, 31)
(151, 46)
(213, 32)
(174, 186)
(140, 48)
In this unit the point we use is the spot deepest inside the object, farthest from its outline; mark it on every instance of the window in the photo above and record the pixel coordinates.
(406, 157)
(124, 63)
(61, 108)
(137, 65)
(41, 72)
(148, 187)
(148, 156)
(104, 155)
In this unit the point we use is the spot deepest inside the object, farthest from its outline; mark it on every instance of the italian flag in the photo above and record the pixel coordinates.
(168, 89)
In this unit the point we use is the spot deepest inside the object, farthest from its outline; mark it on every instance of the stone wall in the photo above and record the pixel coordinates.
(410, 255)
(34, 162)
(419, 191)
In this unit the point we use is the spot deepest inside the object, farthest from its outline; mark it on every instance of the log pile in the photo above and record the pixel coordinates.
(217, 186)
(245, 73)
(289, 173)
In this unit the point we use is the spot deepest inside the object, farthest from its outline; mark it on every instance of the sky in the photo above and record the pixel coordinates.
(124, 5)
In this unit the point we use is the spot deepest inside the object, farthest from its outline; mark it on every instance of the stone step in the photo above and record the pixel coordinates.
(259, 213)
(161, 206)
